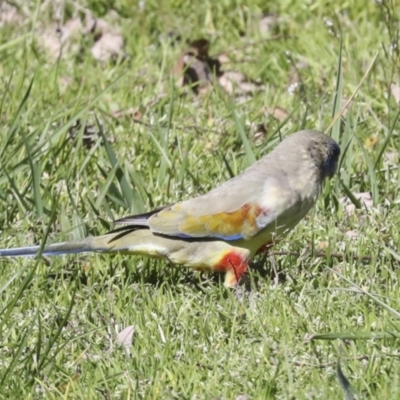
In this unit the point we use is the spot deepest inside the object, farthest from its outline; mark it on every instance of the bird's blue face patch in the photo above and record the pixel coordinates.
(332, 159)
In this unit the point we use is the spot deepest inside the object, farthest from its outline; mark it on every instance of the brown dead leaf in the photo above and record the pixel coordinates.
(109, 43)
(267, 24)
(58, 41)
(395, 89)
(352, 234)
(72, 27)
(95, 26)
(232, 81)
(323, 245)
(278, 113)
(195, 68)
(108, 47)
(135, 113)
(51, 42)
(224, 58)
(99, 26)
(9, 14)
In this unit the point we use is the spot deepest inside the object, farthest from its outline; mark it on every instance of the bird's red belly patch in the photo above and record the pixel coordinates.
(233, 263)
(230, 260)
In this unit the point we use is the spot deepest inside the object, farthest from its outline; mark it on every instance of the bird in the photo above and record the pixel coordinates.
(223, 229)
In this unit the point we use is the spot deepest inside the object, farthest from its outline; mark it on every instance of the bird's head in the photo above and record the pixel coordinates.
(321, 149)
(332, 153)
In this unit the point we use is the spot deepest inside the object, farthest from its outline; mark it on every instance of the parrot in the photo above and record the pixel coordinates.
(223, 229)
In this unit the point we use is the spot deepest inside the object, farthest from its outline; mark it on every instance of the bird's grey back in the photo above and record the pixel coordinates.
(279, 167)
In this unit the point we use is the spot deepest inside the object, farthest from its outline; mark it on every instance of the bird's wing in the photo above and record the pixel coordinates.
(239, 209)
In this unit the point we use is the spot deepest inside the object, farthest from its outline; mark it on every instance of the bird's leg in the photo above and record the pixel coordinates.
(265, 248)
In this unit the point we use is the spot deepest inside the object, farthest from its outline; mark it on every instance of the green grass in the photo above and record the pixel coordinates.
(193, 339)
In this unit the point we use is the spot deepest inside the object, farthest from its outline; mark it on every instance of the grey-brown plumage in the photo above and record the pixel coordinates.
(224, 228)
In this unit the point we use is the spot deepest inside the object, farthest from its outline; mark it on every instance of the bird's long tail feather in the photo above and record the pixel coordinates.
(111, 242)
(203, 255)
(73, 247)
(128, 240)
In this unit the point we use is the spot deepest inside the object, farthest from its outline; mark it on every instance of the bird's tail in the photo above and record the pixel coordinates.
(213, 255)
(136, 241)
(73, 247)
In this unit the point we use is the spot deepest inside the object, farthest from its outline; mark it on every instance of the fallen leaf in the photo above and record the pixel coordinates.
(51, 42)
(395, 89)
(109, 43)
(71, 28)
(196, 68)
(234, 81)
(9, 14)
(224, 58)
(267, 24)
(278, 113)
(134, 112)
(352, 234)
(58, 40)
(95, 26)
(125, 337)
(323, 245)
(108, 47)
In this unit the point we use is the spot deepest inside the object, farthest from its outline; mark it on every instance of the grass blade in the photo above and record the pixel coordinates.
(122, 180)
(371, 173)
(355, 336)
(344, 383)
(250, 156)
(371, 296)
(335, 129)
(348, 102)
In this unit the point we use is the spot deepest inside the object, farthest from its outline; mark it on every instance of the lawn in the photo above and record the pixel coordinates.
(97, 122)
